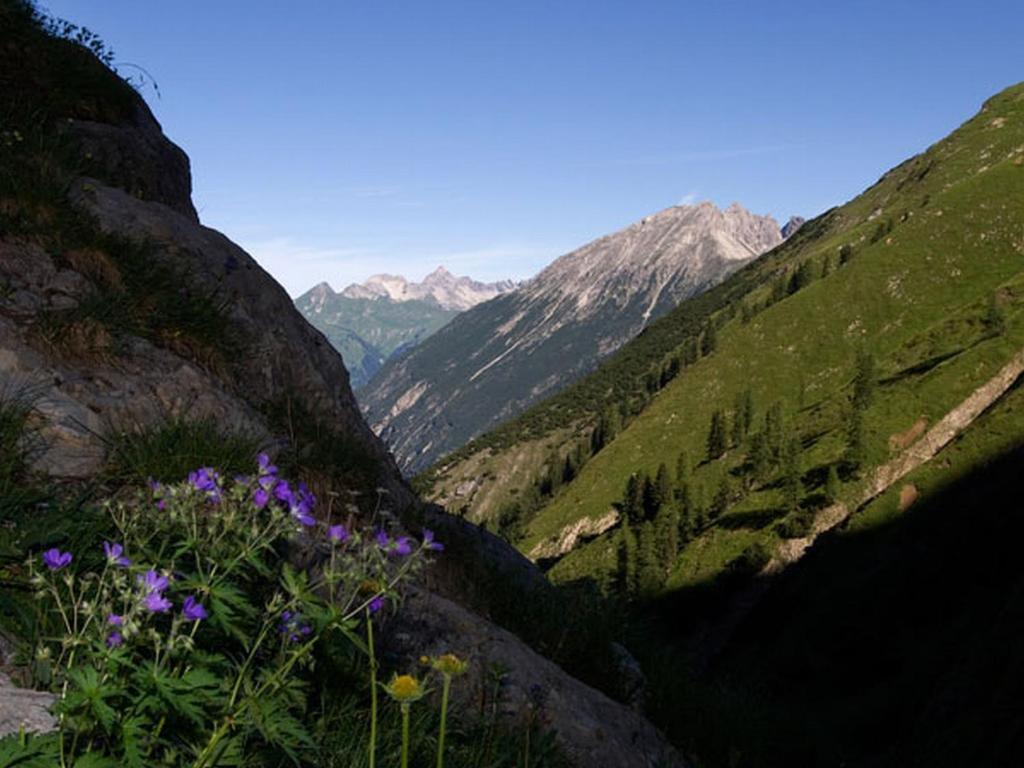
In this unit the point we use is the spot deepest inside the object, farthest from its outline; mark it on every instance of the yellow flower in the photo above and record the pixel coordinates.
(449, 664)
(405, 689)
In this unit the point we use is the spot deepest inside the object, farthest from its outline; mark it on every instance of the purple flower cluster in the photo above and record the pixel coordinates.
(206, 480)
(292, 626)
(298, 501)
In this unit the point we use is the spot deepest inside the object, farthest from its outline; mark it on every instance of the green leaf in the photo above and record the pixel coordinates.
(29, 751)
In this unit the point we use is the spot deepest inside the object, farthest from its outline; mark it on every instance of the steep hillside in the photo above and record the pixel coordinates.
(387, 315)
(909, 270)
(501, 356)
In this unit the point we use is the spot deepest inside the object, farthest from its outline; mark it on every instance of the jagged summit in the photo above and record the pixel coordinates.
(492, 362)
(441, 286)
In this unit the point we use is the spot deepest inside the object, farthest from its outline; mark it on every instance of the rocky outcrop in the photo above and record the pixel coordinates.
(566, 540)
(496, 359)
(593, 730)
(790, 227)
(23, 710)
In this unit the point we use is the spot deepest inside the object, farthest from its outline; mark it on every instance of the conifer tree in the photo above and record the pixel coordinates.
(995, 318)
(760, 457)
(774, 430)
(663, 486)
(864, 380)
(845, 254)
(650, 501)
(686, 513)
(717, 435)
(832, 486)
(627, 560)
(633, 501)
(709, 339)
(649, 570)
(666, 528)
(743, 416)
(826, 267)
(792, 488)
(721, 501)
(690, 351)
(856, 445)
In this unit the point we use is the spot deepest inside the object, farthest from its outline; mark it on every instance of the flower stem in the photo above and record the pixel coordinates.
(445, 688)
(373, 690)
(405, 735)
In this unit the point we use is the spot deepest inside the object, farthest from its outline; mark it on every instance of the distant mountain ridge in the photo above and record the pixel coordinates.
(496, 359)
(441, 286)
(370, 322)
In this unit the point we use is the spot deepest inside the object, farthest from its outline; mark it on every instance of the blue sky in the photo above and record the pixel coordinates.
(335, 140)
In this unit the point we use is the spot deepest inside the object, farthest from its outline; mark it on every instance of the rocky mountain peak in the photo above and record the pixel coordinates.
(489, 364)
(791, 226)
(440, 286)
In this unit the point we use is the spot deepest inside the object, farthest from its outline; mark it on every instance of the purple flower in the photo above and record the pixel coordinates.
(114, 620)
(399, 547)
(337, 534)
(301, 505)
(402, 546)
(193, 610)
(161, 505)
(154, 602)
(260, 498)
(54, 559)
(292, 626)
(283, 492)
(154, 485)
(152, 582)
(205, 480)
(266, 468)
(376, 604)
(429, 543)
(114, 639)
(114, 553)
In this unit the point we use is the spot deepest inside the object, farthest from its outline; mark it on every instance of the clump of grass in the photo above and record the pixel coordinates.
(174, 447)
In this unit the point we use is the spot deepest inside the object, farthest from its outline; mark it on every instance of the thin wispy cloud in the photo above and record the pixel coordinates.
(704, 155)
(689, 198)
(299, 266)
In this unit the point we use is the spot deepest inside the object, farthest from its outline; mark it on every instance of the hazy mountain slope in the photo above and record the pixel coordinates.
(499, 357)
(387, 315)
(367, 331)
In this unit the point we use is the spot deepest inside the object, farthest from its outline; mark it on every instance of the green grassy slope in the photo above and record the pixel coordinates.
(917, 297)
(896, 641)
(939, 205)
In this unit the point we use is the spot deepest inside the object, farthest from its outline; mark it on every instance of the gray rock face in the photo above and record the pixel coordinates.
(24, 710)
(440, 287)
(496, 359)
(593, 730)
(791, 226)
